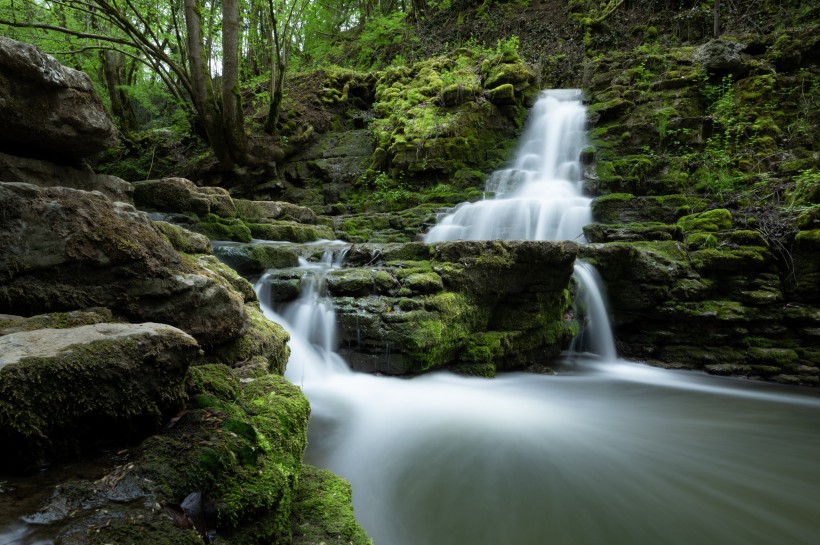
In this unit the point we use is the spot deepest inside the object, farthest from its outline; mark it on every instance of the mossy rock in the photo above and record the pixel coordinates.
(218, 228)
(352, 282)
(262, 338)
(183, 196)
(625, 208)
(290, 231)
(748, 259)
(323, 512)
(515, 73)
(254, 259)
(55, 320)
(184, 240)
(501, 95)
(125, 378)
(718, 219)
(631, 232)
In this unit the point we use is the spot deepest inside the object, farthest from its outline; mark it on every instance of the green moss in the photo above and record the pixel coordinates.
(290, 231)
(57, 320)
(183, 240)
(215, 380)
(322, 511)
(718, 219)
(263, 338)
(245, 454)
(218, 228)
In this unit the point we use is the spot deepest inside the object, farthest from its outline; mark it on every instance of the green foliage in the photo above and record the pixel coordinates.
(380, 39)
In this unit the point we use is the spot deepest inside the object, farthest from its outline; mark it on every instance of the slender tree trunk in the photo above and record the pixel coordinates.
(716, 13)
(231, 98)
(201, 88)
(114, 71)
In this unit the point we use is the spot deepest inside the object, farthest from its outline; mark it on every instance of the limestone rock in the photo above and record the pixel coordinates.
(720, 56)
(65, 249)
(49, 110)
(181, 195)
(61, 387)
(47, 174)
(264, 211)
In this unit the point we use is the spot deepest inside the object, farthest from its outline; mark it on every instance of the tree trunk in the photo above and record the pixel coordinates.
(231, 97)
(201, 88)
(716, 13)
(114, 71)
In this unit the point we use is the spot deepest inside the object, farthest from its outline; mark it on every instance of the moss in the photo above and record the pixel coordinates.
(244, 454)
(57, 320)
(355, 282)
(322, 511)
(217, 228)
(718, 219)
(263, 338)
(290, 231)
(215, 380)
(503, 94)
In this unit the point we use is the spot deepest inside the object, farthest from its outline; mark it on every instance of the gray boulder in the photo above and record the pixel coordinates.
(62, 387)
(65, 249)
(47, 174)
(720, 56)
(49, 110)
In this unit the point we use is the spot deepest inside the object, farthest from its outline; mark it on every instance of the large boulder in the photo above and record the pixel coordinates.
(60, 388)
(474, 307)
(49, 110)
(48, 174)
(65, 249)
(230, 466)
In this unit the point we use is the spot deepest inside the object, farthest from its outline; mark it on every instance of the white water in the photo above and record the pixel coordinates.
(608, 452)
(539, 197)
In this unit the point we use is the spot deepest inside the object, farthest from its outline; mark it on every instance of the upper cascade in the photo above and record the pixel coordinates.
(539, 197)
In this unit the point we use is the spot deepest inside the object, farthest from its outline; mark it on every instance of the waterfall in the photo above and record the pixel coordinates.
(540, 198)
(614, 453)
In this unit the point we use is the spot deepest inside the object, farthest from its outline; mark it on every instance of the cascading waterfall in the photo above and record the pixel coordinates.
(614, 452)
(540, 198)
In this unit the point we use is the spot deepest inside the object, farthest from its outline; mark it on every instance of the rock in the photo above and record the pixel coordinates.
(65, 249)
(264, 211)
(468, 306)
(254, 259)
(184, 240)
(61, 387)
(263, 338)
(720, 56)
(181, 195)
(230, 465)
(49, 110)
(290, 231)
(47, 174)
(503, 94)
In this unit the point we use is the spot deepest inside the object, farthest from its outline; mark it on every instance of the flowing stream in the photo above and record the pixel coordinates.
(606, 452)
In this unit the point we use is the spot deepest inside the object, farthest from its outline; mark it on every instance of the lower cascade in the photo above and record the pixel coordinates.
(610, 452)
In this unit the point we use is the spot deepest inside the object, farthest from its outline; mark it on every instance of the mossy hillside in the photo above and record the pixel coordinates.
(432, 123)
